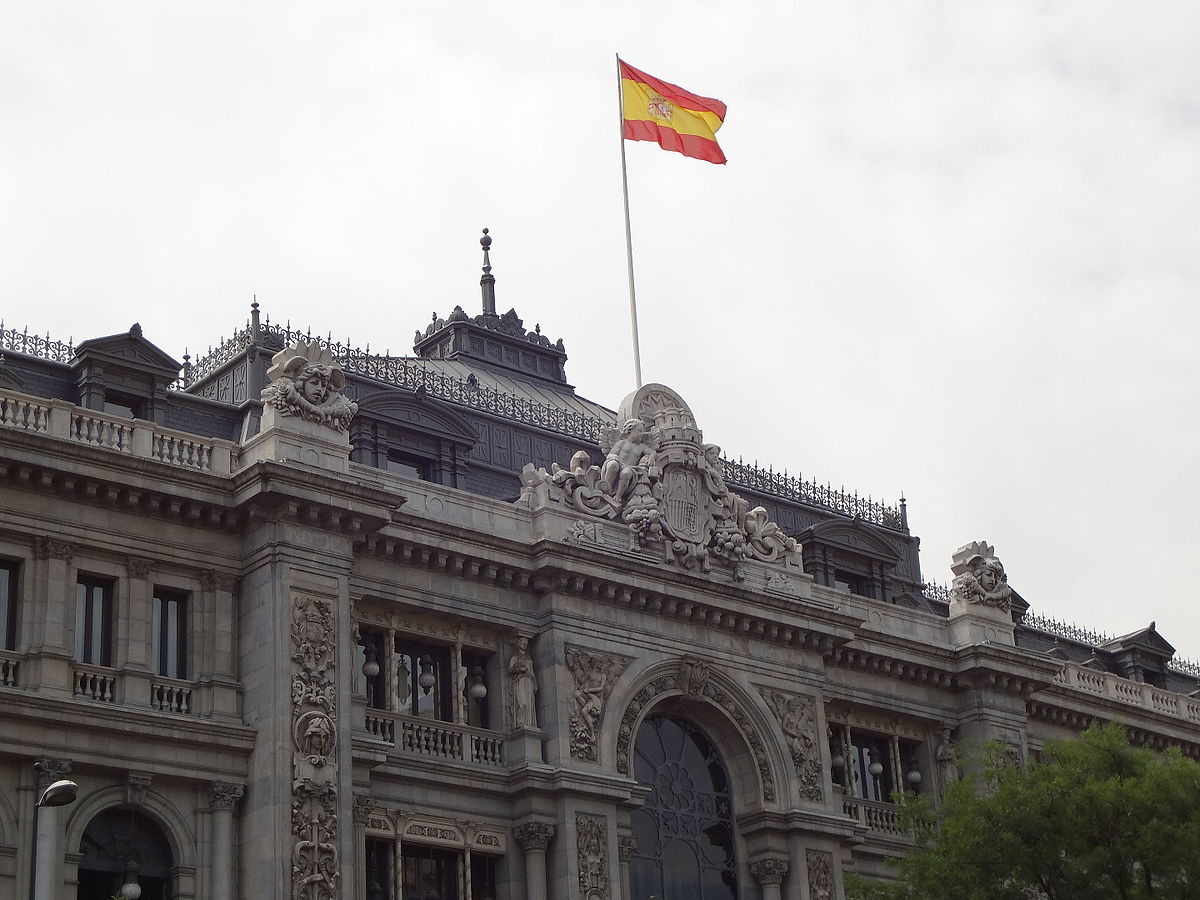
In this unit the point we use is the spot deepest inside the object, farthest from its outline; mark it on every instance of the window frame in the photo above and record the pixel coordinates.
(160, 626)
(88, 649)
(10, 586)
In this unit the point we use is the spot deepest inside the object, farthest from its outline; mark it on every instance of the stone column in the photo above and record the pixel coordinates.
(534, 838)
(222, 798)
(47, 864)
(769, 871)
(360, 812)
(626, 847)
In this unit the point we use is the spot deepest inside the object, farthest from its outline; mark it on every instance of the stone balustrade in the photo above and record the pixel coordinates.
(441, 740)
(171, 695)
(877, 817)
(1135, 693)
(10, 667)
(94, 683)
(135, 437)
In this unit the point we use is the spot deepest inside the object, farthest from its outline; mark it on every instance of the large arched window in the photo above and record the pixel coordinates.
(121, 845)
(684, 832)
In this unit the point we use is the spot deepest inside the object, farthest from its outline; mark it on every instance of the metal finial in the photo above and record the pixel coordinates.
(487, 284)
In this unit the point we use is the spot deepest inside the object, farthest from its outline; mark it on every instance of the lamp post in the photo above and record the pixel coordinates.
(58, 793)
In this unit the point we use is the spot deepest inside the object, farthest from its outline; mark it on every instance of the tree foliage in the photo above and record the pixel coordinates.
(1095, 819)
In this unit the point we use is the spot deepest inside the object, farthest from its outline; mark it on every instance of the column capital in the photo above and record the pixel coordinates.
(51, 770)
(45, 547)
(138, 567)
(626, 847)
(769, 869)
(534, 835)
(223, 795)
(361, 808)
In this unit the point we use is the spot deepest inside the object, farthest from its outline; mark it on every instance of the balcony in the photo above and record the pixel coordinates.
(878, 818)
(436, 740)
(1134, 693)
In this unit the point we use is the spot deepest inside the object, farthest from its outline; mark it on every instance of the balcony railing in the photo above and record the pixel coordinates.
(134, 437)
(171, 695)
(1135, 693)
(94, 683)
(439, 740)
(883, 818)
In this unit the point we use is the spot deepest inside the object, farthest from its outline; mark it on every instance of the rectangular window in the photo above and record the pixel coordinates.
(408, 465)
(8, 605)
(93, 621)
(170, 633)
(379, 869)
(427, 872)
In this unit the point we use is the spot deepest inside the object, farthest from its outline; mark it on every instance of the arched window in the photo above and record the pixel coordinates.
(120, 844)
(684, 832)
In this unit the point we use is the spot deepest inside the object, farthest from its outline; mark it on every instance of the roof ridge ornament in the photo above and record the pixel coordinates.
(487, 283)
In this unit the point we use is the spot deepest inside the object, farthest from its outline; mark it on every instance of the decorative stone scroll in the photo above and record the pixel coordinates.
(666, 485)
(820, 875)
(315, 866)
(307, 382)
(594, 674)
(980, 576)
(591, 841)
(797, 718)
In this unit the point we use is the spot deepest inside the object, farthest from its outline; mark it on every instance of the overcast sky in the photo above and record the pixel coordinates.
(955, 251)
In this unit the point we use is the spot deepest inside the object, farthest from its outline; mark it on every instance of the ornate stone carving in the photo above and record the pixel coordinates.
(315, 867)
(820, 875)
(626, 847)
(980, 576)
(223, 795)
(693, 675)
(51, 770)
(594, 674)
(361, 809)
(47, 548)
(136, 785)
(947, 759)
(138, 568)
(534, 835)
(591, 841)
(797, 717)
(769, 870)
(522, 685)
(306, 381)
(663, 684)
(661, 480)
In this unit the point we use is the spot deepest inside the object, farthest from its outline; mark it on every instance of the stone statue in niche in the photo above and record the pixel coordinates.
(523, 685)
(307, 382)
(979, 577)
(667, 485)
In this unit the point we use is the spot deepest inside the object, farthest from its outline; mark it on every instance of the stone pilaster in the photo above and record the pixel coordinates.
(534, 838)
(222, 797)
(626, 847)
(360, 813)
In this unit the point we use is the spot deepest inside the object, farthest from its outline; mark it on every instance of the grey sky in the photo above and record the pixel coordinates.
(955, 251)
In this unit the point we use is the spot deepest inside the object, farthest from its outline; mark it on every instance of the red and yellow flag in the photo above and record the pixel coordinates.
(678, 120)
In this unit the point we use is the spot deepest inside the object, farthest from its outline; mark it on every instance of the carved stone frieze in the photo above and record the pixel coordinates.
(307, 382)
(769, 870)
(534, 835)
(594, 674)
(315, 866)
(797, 717)
(979, 577)
(223, 795)
(666, 485)
(405, 623)
(649, 693)
(820, 875)
(591, 841)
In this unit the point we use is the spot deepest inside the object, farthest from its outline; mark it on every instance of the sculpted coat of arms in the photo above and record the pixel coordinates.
(661, 480)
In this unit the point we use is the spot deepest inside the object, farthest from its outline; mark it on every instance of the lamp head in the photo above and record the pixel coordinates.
(60, 793)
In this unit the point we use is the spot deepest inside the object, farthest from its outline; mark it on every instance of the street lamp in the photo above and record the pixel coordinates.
(58, 793)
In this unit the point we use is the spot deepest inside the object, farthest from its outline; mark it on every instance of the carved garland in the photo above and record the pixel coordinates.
(591, 841)
(315, 869)
(663, 684)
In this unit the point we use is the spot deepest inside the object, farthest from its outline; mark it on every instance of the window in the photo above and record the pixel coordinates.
(8, 605)
(379, 869)
(122, 405)
(423, 682)
(93, 621)
(483, 877)
(429, 873)
(684, 832)
(170, 633)
(408, 465)
(872, 765)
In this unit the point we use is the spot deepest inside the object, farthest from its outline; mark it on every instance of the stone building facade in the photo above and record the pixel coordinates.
(306, 622)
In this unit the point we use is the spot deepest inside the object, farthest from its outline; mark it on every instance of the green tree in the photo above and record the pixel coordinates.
(1096, 819)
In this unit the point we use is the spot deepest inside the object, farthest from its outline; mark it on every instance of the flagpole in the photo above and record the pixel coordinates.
(637, 352)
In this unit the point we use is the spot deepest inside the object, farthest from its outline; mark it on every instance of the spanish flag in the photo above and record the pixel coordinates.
(678, 120)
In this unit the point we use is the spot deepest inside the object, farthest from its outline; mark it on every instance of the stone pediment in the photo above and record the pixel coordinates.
(853, 535)
(128, 350)
(417, 411)
(666, 488)
(1148, 640)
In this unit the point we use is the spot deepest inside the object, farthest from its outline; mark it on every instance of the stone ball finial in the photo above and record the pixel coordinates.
(486, 240)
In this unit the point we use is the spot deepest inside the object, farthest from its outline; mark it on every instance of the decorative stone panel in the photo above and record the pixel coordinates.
(591, 840)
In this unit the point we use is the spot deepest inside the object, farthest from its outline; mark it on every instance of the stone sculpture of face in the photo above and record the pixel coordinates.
(313, 385)
(987, 578)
